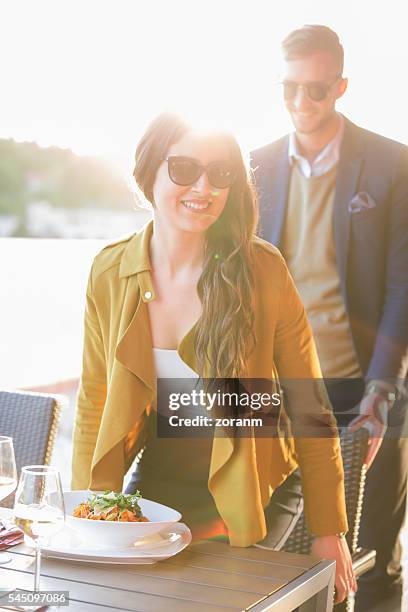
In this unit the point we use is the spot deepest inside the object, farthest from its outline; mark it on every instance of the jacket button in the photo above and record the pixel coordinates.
(148, 295)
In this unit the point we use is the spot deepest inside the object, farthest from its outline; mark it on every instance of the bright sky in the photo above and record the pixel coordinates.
(89, 74)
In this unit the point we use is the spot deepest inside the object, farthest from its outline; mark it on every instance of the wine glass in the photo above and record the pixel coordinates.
(8, 476)
(39, 508)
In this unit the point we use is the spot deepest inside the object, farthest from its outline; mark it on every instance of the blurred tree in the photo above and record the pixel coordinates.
(31, 173)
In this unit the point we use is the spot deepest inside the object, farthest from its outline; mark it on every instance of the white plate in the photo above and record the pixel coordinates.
(169, 542)
(115, 534)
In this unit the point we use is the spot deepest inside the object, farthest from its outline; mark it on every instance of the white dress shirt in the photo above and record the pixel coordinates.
(326, 159)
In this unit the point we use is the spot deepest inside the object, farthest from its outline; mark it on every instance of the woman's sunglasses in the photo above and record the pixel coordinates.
(186, 171)
(314, 90)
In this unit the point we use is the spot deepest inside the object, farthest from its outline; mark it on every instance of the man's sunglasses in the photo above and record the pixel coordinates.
(186, 171)
(314, 90)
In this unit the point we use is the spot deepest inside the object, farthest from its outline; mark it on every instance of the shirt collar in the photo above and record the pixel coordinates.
(326, 159)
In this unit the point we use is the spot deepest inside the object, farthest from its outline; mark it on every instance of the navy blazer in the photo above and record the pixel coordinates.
(371, 239)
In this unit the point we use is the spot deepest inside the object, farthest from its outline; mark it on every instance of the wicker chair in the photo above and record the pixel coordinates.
(354, 449)
(31, 419)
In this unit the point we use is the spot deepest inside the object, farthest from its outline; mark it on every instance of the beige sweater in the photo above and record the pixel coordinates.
(309, 250)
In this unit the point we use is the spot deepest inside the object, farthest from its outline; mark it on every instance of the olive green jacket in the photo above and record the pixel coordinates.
(118, 389)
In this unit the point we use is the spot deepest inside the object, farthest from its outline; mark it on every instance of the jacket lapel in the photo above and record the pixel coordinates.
(348, 175)
(134, 350)
(273, 184)
(132, 379)
(133, 386)
(131, 390)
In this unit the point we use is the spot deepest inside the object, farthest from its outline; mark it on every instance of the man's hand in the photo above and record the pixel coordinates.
(374, 417)
(336, 548)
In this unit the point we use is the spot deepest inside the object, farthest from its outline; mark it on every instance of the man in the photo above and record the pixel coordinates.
(334, 199)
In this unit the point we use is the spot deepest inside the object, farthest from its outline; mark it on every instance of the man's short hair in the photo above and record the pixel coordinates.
(311, 39)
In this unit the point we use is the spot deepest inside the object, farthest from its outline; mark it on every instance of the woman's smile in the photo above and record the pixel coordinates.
(196, 205)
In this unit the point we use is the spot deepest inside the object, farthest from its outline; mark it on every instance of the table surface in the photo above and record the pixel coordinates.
(206, 577)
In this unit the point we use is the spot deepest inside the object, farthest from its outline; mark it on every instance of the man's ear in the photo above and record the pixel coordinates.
(342, 88)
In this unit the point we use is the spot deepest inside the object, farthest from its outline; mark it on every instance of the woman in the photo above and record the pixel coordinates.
(196, 293)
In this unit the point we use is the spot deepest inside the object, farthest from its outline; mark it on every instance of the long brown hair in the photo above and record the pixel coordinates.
(224, 335)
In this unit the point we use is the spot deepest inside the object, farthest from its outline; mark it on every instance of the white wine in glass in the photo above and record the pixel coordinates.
(8, 476)
(39, 508)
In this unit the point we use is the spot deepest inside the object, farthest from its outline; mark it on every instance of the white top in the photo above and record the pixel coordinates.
(169, 364)
(325, 161)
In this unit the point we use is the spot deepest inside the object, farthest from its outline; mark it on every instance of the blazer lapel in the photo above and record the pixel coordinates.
(132, 378)
(348, 175)
(134, 350)
(133, 386)
(272, 179)
(131, 390)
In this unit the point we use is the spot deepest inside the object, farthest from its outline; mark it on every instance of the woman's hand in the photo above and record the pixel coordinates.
(336, 548)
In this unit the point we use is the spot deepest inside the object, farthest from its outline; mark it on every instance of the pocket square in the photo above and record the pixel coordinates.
(361, 201)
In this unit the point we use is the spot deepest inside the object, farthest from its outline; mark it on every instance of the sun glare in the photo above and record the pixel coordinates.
(91, 75)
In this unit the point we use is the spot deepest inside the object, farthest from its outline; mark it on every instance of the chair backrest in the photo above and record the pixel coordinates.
(31, 419)
(353, 450)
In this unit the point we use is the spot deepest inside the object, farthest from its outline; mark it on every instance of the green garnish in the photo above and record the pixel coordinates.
(109, 499)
